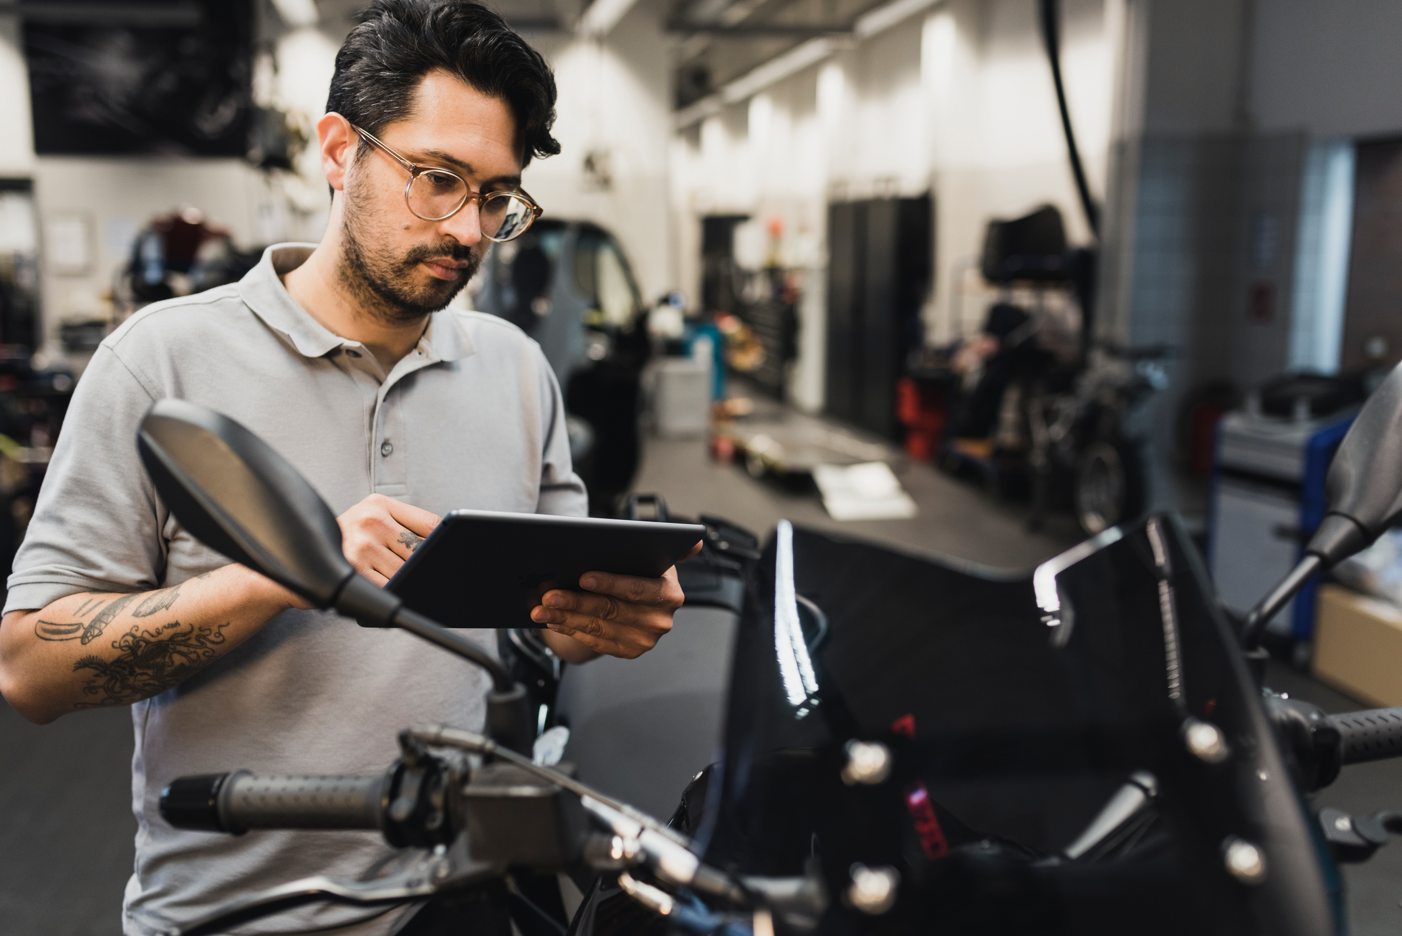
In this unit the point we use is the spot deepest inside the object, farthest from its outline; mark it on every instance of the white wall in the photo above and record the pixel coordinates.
(615, 100)
(17, 140)
(957, 101)
(1332, 69)
(114, 198)
(998, 145)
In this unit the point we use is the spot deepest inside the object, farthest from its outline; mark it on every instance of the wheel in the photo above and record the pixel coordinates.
(1109, 485)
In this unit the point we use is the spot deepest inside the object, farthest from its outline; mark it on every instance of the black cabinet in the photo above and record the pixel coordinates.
(880, 254)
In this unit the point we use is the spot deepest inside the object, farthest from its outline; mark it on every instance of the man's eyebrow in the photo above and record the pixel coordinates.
(466, 168)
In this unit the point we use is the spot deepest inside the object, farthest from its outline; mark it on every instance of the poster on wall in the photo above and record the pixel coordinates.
(129, 82)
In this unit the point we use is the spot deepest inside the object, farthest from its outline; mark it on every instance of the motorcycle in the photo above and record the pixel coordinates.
(1090, 438)
(909, 744)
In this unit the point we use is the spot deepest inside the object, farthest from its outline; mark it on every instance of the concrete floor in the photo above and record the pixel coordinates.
(955, 519)
(65, 844)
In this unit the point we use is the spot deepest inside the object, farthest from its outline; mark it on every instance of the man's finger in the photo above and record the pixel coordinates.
(415, 519)
(603, 607)
(598, 645)
(375, 558)
(626, 629)
(405, 542)
(589, 634)
(625, 587)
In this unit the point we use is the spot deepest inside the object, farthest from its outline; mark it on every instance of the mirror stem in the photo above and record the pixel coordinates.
(372, 606)
(454, 642)
(1270, 605)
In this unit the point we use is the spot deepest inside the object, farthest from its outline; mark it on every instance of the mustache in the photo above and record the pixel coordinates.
(449, 248)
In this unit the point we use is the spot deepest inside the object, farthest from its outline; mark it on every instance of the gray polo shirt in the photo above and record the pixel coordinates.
(472, 417)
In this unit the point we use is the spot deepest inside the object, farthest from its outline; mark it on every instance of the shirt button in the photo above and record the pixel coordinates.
(351, 352)
(386, 448)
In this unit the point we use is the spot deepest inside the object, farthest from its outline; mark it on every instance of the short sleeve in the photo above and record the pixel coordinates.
(97, 525)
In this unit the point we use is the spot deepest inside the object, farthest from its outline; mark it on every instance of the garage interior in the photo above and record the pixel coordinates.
(970, 279)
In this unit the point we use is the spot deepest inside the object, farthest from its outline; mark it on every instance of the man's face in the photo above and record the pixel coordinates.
(398, 264)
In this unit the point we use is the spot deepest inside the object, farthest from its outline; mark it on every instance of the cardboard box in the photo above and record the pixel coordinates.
(1358, 645)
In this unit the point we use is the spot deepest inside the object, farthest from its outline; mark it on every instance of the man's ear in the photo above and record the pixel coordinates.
(338, 144)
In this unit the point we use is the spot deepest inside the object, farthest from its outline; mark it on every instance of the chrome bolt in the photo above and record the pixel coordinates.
(868, 762)
(1205, 741)
(1343, 824)
(623, 849)
(1244, 861)
(873, 890)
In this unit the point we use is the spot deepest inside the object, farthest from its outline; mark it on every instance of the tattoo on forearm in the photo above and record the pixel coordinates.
(48, 630)
(410, 540)
(157, 601)
(77, 630)
(104, 617)
(92, 604)
(150, 662)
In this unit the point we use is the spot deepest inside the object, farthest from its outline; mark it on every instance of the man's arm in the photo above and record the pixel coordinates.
(90, 650)
(93, 649)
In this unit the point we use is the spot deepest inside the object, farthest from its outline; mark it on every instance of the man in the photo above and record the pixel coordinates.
(345, 360)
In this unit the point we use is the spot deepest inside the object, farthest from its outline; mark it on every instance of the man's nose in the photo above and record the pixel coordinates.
(465, 227)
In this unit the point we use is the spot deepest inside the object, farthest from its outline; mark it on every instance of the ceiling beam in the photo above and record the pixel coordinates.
(172, 14)
(535, 23)
(760, 30)
(796, 59)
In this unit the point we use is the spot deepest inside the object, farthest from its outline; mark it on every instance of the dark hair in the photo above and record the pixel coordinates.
(397, 42)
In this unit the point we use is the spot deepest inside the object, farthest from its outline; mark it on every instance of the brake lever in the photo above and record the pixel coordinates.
(452, 868)
(666, 850)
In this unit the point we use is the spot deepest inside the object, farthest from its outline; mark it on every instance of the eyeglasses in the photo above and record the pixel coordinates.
(436, 194)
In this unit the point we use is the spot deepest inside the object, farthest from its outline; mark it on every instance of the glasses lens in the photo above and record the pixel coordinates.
(505, 215)
(434, 195)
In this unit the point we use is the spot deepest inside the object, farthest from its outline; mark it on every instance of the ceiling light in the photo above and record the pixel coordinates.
(297, 13)
(601, 16)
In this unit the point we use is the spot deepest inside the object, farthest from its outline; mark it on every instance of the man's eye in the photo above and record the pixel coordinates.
(441, 181)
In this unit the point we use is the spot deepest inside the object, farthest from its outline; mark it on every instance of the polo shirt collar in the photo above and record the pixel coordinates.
(262, 290)
(446, 339)
(264, 293)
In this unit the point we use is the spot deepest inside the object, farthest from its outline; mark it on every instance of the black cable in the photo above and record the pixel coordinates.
(1051, 36)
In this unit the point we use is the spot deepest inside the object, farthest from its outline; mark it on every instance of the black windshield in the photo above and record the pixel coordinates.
(1017, 709)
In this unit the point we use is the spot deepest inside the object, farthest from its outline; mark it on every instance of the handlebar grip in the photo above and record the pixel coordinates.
(1369, 735)
(239, 801)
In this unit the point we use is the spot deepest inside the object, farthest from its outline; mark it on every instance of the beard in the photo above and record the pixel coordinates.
(386, 284)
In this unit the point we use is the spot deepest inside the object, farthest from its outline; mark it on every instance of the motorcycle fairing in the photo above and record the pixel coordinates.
(1015, 708)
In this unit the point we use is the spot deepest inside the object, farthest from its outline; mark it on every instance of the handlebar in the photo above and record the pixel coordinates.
(1321, 744)
(239, 801)
(1369, 735)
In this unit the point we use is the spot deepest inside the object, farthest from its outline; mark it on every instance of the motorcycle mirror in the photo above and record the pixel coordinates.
(1364, 484)
(1364, 492)
(233, 492)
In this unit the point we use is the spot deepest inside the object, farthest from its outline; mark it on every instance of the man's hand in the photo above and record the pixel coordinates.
(617, 615)
(380, 533)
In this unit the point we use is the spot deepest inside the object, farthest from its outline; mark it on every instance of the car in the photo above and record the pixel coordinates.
(568, 285)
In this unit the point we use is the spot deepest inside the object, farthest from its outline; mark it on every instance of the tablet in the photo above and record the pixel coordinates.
(485, 568)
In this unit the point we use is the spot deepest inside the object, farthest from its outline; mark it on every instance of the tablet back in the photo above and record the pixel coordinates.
(484, 568)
